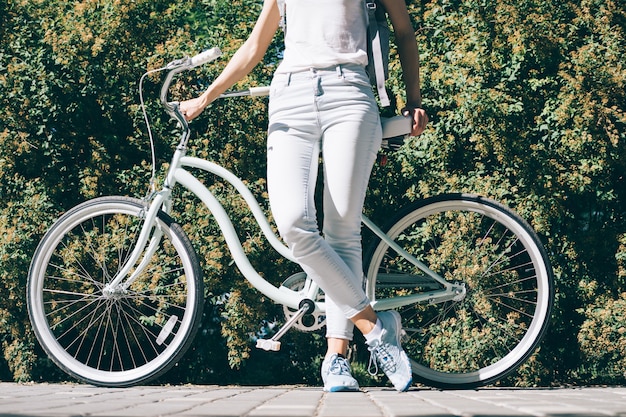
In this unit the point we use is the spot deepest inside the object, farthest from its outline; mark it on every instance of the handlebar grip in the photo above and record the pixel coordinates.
(259, 91)
(206, 56)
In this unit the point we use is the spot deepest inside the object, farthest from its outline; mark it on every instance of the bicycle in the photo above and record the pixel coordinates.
(115, 289)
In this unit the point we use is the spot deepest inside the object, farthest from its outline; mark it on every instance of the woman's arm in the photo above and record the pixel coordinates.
(242, 62)
(409, 59)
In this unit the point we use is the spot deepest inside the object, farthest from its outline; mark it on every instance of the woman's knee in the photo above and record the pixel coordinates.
(298, 233)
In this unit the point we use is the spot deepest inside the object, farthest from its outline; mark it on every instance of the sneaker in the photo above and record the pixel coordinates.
(336, 374)
(387, 353)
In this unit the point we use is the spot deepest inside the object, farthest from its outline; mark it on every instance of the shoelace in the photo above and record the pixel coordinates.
(339, 366)
(380, 351)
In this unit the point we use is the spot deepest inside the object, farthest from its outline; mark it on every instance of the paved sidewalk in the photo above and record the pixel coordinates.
(55, 400)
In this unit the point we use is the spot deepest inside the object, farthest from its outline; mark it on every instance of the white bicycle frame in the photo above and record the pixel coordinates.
(178, 174)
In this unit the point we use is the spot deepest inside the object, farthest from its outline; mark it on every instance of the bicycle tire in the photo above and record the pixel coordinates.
(120, 339)
(508, 280)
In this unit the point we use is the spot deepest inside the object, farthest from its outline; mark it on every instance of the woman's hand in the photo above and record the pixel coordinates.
(420, 119)
(192, 108)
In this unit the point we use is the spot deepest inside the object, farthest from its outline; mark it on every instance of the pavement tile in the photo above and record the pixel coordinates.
(75, 400)
(348, 404)
(290, 404)
(408, 404)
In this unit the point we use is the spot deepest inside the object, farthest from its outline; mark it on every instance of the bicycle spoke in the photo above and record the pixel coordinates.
(110, 337)
(463, 341)
(125, 328)
(69, 317)
(139, 346)
(79, 279)
(91, 318)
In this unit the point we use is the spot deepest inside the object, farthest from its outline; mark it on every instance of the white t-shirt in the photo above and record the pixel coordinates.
(324, 33)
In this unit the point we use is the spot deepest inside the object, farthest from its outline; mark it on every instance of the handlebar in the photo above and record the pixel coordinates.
(177, 66)
(173, 108)
(394, 127)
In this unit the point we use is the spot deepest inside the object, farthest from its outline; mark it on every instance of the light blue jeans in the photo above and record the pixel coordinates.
(333, 111)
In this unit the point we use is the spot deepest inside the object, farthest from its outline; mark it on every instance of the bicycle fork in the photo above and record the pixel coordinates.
(150, 232)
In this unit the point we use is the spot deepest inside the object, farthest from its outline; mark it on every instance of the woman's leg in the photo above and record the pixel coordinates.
(350, 143)
(301, 113)
(297, 125)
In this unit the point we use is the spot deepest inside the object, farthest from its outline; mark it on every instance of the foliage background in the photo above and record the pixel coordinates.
(527, 104)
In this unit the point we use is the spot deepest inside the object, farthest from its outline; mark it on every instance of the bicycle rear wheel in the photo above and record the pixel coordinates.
(122, 338)
(504, 314)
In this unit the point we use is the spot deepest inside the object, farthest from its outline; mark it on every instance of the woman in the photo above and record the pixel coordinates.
(321, 100)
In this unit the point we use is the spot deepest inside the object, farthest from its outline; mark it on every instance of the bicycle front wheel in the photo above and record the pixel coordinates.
(487, 333)
(118, 338)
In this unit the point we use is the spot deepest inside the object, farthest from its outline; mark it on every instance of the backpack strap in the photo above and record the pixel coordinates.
(281, 9)
(377, 54)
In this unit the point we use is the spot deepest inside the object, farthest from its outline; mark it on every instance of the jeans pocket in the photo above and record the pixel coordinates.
(356, 78)
(277, 88)
(278, 85)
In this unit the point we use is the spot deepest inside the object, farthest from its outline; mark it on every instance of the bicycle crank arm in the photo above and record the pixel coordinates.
(306, 306)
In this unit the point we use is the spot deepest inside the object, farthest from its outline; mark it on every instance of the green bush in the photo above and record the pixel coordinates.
(603, 341)
(526, 101)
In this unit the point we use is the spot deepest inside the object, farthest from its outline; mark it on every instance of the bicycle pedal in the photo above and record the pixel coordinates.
(268, 344)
